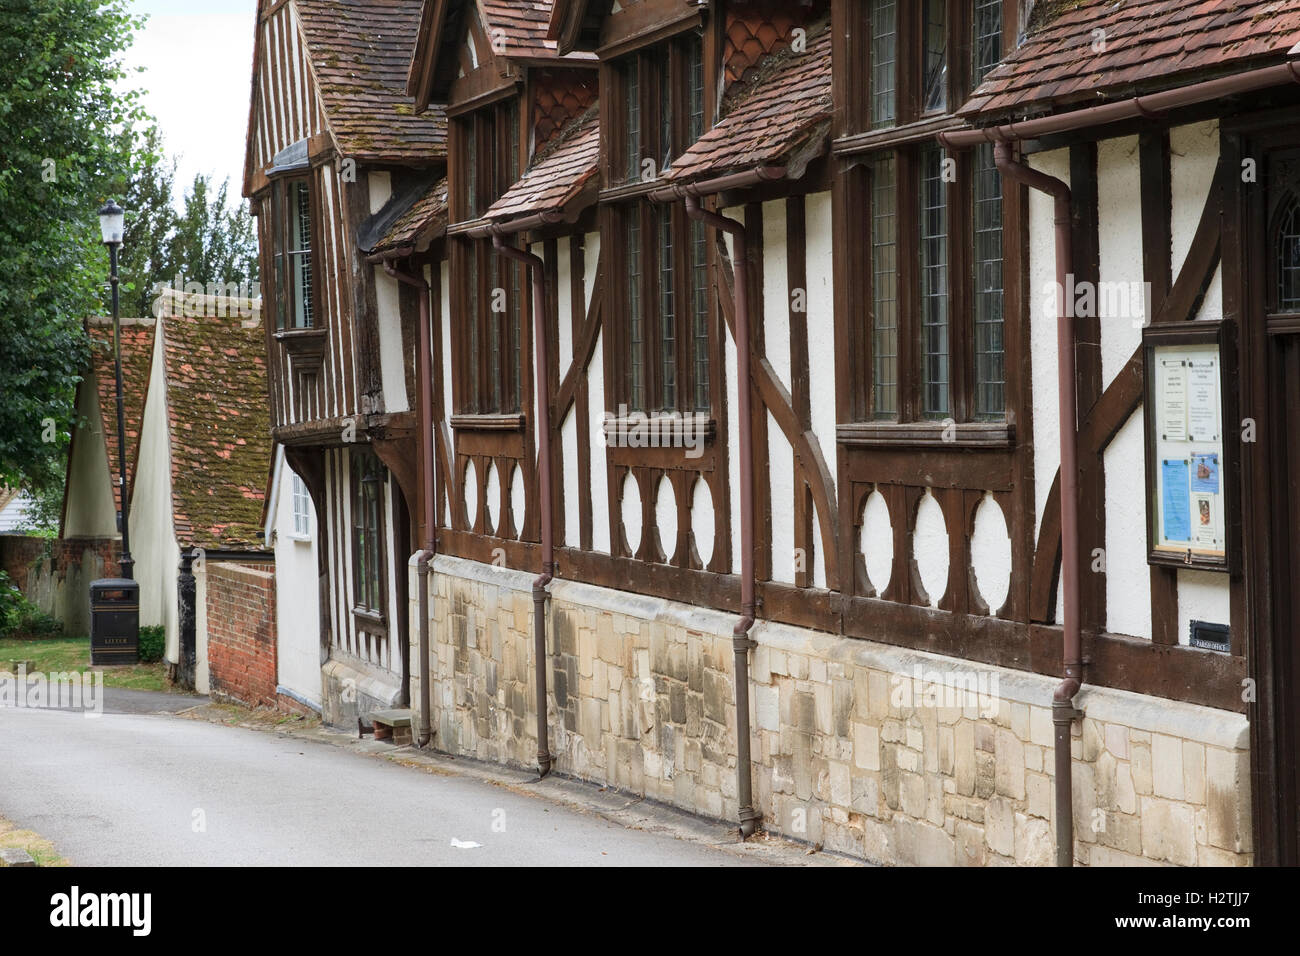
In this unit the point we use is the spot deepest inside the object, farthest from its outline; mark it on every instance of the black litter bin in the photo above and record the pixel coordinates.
(114, 622)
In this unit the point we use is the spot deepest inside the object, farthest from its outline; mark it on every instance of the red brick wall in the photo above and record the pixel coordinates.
(241, 634)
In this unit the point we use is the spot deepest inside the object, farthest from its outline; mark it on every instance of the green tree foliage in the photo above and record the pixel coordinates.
(63, 129)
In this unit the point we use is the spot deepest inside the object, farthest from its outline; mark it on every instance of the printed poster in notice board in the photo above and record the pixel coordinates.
(1189, 497)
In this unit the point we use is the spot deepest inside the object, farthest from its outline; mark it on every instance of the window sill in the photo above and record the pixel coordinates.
(659, 430)
(303, 342)
(488, 423)
(370, 621)
(992, 435)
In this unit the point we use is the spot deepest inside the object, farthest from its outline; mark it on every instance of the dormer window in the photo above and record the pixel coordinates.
(662, 102)
(291, 228)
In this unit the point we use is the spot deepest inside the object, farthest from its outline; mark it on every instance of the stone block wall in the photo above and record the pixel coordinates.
(242, 663)
(895, 756)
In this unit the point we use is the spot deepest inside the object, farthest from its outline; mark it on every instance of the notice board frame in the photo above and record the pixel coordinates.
(1220, 334)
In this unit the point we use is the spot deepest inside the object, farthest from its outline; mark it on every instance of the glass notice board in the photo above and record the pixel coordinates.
(1190, 445)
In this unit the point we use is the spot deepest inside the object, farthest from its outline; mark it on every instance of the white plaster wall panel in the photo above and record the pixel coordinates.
(930, 548)
(392, 362)
(564, 304)
(733, 413)
(631, 513)
(444, 284)
(820, 275)
(518, 504)
(666, 517)
(1193, 156)
(525, 331)
(572, 491)
(596, 437)
(492, 498)
(702, 520)
(1042, 330)
(469, 482)
(877, 541)
(990, 553)
(1128, 579)
(1202, 596)
(776, 291)
(1212, 306)
(1119, 230)
(781, 481)
(590, 266)
(381, 189)
(819, 551)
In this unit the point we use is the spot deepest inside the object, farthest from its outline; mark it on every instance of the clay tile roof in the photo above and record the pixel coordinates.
(220, 426)
(137, 355)
(360, 52)
(1142, 45)
(422, 221)
(783, 112)
(518, 27)
(558, 175)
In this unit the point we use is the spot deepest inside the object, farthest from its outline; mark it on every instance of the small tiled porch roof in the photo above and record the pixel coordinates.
(559, 176)
(782, 115)
(137, 364)
(360, 52)
(422, 221)
(1089, 52)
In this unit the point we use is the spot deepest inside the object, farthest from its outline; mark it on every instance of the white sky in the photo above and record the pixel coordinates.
(198, 56)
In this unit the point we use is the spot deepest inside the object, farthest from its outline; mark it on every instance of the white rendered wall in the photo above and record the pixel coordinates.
(153, 535)
(392, 357)
(91, 511)
(297, 624)
(1119, 233)
(1042, 333)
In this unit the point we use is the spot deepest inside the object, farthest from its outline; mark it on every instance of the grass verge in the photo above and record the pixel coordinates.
(41, 849)
(72, 654)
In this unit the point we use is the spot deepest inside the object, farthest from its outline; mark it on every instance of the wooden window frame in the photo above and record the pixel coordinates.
(284, 292)
(490, 381)
(906, 141)
(364, 462)
(665, 70)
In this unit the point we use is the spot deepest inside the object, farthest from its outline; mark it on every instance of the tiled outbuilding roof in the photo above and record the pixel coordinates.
(137, 355)
(558, 176)
(220, 428)
(360, 53)
(781, 114)
(422, 221)
(1094, 51)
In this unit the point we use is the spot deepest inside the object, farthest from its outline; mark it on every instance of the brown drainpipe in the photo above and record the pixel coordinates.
(1064, 713)
(541, 370)
(541, 365)
(429, 545)
(741, 642)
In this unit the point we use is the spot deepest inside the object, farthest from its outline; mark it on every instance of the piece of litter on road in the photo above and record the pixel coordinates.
(464, 844)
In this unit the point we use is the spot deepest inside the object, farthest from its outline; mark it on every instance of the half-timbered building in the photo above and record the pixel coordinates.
(334, 144)
(864, 420)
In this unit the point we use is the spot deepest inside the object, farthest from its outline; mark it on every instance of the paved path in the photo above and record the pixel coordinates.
(131, 789)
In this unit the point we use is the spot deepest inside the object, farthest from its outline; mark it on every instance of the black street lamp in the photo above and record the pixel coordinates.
(111, 222)
(115, 602)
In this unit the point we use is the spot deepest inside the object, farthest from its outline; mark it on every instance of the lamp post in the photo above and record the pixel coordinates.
(111, 222)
